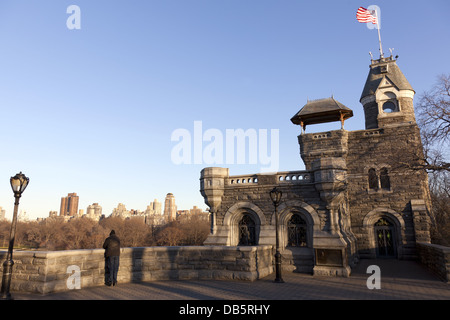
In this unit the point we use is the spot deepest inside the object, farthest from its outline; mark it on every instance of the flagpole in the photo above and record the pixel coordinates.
(379, 34)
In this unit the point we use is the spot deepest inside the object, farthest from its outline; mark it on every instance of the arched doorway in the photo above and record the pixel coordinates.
(384, 238)
(247, 231)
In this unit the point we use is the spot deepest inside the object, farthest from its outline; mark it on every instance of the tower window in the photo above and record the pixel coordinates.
(384, 179)
(373, 179)
(379, 181)
(389, 107)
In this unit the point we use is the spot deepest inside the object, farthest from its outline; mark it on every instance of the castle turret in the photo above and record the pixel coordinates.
(387, 96)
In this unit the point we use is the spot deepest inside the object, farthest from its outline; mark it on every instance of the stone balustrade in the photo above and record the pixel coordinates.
(284, 177)
(294, 177)
(52, 271)
(243, 179)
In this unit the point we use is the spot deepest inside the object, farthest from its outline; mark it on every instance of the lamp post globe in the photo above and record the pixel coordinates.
(19, 183)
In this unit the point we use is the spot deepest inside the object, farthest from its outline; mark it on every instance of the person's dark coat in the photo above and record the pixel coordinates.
(112, 245)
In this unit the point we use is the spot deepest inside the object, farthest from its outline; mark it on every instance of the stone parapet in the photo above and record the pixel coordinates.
(436, 258)
(50, 271)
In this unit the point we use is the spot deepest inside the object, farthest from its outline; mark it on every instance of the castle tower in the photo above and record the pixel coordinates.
(393, 143)
(387, 96)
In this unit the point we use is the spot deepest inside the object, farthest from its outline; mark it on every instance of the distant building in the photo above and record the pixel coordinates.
(170, 209)
(154, 208)
(195, 211)
(69, 205)
(121, 211)
(2, 213)
(53, 214)
(94, 211)
(22, 216)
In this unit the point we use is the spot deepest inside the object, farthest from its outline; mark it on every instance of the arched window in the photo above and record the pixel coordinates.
(373, 179)
(389, 107)
(247, 231)
(384, 179)
(390, 102)
(297, 236)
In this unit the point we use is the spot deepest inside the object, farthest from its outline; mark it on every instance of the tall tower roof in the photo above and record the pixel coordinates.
(384, 69)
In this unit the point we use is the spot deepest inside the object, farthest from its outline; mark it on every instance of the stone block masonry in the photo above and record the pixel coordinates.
(47, 271)
(436, 258)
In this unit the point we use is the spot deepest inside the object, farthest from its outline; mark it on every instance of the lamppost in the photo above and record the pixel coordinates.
(275, 195)
(18, 184)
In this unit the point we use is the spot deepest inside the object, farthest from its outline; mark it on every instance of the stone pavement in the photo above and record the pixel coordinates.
(400, 280)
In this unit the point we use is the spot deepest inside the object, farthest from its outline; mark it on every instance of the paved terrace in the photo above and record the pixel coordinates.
(400, 280)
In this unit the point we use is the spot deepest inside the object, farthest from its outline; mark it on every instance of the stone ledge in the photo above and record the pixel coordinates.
(46, 271)
(436, 258)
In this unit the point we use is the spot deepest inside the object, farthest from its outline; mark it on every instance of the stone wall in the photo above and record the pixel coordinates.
(250, 194)
(49, 271)
(387, 148)
(436, 258)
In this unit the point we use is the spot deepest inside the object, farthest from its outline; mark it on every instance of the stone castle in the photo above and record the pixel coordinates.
(354, 200)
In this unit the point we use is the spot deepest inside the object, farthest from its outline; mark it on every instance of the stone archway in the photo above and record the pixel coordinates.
(304, 211)
(297, 257)
(383, 225)
(234, 218)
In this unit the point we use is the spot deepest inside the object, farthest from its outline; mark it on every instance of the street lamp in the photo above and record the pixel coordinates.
(18, 184)
(275, 195)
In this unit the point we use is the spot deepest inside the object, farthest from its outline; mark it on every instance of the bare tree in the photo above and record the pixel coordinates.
(433, 118)
(195, 230)
(171, 235)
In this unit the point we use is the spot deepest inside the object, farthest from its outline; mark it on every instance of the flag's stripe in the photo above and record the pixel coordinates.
(363, 15)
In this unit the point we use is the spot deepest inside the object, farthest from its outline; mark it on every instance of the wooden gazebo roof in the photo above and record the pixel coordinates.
(321, 111)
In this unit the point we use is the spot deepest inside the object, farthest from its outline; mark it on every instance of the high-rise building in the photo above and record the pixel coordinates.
(157, 207)
(121, 211)
(170, 209)
(154, 208)
(69, 205)
(2, 213)
(94, 211)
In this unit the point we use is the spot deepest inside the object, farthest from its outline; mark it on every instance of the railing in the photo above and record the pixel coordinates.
(294, 177)
(243, 179)
(285, 177)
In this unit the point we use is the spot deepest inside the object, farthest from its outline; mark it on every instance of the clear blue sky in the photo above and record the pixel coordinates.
(92, 111)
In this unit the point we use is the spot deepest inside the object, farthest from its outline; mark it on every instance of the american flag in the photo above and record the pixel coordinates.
(364, 15)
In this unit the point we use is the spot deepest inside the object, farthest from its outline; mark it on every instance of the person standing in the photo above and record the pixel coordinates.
(112, 254)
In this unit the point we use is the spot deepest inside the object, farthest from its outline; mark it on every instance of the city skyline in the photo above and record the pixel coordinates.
(71, 209)
(98, 106)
